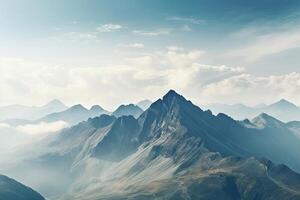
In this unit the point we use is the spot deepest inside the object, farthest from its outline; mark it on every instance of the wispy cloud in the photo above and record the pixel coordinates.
(109, 28)
(4, 125)
(186, 28)
(191, 20)
(264, 43)
(42, 127)
(136, 45)
(156, 32)
(238, 89)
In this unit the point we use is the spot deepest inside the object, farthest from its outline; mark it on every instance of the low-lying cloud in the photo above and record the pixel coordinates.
(42, 127)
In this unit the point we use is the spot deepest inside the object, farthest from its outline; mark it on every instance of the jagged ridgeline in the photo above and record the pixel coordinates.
(173, 150)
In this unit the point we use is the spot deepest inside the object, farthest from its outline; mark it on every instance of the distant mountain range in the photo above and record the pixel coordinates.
(74, 114)
(173, 150)
(282, 110)
(71, 116)
(13, 190)
(30, 112)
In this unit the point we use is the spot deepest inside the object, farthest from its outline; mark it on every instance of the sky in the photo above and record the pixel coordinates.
(110, 52)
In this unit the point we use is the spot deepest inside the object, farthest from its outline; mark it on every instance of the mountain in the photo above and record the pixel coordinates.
(54, 106)
(173, 150)
(282, 110)
(30, 112)
(74, 114)
(13, 190)
(145, 104)
(193, 156)
(97, 109)
(283, 104)
(130, 109)
(237, 111)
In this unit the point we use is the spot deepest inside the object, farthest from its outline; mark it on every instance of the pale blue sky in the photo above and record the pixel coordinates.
(112, 51)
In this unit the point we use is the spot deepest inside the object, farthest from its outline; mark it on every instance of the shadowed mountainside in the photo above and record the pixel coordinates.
(13, 190)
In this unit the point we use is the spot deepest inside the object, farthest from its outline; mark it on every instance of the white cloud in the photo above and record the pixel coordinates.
(191, 20)
(75, 37)
(221, 68)
(156, 32)
(109, 28)
(141, 75)
(42, 127)
(144, 60)
(251, 89)
(178, 69)
(4, 125)
(265, 43)
(136, 45)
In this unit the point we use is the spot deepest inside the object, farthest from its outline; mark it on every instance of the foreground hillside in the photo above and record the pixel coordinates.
(12, 190)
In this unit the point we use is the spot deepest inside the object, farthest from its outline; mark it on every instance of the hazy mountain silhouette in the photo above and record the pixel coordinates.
(282, 110)
(145, 104)
(126, 110)
(74, 114)
(30, 112)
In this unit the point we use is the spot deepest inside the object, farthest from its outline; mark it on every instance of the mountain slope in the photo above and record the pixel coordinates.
(13, 190)
(178, 142)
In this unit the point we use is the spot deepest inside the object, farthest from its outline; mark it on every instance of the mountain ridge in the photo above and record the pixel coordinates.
(13, 190)
(115, 158)
(282, 110)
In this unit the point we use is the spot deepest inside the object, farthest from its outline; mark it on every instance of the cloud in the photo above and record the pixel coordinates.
(156, 32)
(109, 28)
(142, 75)
(266, 42)
(134, 76)
(221, 68)
(179, 69)
(136, 45)
(73, 37)
(4, 125)
(175, 48)
(42, 127)
(252, 89)
(186, 28)
(191, 20)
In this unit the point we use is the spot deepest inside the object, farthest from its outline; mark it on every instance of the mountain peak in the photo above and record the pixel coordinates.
(284, 104)
(265, 116)
(55, 103)
(96, 108)
(264, 120)
(78, 107)
(172, 95)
